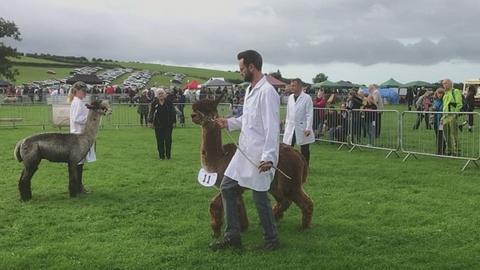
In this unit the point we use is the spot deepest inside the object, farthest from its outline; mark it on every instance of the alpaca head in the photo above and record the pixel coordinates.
(100, 106)
(205, 110)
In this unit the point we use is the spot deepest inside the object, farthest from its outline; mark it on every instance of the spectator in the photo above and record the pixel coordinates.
(354, 104)
(452, 102)
(409, 97)
(162, 119)
(319, 105)
(378, 100)
(370, 119)
(142, 109)
(438, 108)
(470, 104)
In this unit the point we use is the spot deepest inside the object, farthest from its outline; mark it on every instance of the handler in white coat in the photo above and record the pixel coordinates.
(259, 144)
(299, 120)
(78, 119)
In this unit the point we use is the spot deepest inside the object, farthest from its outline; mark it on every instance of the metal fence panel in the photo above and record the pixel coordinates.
(422, 133)
(375, 129)
(331, 125)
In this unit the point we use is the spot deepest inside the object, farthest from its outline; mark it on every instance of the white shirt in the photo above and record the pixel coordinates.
(78, 116)
(299, 119)
(259, 137)
(378, 99)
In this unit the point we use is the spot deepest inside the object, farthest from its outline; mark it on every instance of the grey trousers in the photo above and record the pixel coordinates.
(229, 188)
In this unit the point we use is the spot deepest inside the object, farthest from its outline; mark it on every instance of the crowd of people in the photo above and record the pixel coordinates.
(441, 110)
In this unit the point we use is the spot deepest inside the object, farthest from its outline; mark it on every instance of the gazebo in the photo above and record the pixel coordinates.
(417, 84)
(391, 83)
(275, 82)
(325, 84)
(216, 83)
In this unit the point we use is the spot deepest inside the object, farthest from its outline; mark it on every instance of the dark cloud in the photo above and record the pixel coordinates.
(300, 32)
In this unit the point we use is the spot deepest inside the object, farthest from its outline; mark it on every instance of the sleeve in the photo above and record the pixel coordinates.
(270, 110)
(309, 113)
(78, 114)
(151, 112)
(234, 123)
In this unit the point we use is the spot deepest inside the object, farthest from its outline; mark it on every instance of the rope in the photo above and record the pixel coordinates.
(208, 119)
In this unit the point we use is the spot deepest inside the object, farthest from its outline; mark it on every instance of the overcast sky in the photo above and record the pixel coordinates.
(359, 40)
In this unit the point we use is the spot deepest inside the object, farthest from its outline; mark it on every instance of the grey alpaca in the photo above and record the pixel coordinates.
(59, 147)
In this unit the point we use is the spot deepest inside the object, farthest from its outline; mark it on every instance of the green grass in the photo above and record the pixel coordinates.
(29, 74)
(26, 59)
(370, 212)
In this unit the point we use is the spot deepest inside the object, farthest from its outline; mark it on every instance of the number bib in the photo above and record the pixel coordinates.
(206, 179)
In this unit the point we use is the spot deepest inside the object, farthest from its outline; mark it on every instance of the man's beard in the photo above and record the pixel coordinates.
(248, 76)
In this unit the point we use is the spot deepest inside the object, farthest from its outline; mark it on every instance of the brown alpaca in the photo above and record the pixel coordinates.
(216, 157)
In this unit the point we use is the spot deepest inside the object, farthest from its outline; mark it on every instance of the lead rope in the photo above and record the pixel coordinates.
(241, 151)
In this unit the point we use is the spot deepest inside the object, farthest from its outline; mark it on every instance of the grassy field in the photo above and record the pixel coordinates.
(370, 212)
(29, 74)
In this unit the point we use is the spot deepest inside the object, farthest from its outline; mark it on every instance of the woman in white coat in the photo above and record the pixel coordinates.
(299, 119)
(78, 119)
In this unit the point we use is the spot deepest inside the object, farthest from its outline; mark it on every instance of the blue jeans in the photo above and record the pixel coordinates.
(229, 188)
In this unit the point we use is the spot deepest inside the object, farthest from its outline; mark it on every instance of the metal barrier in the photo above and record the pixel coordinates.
(375, 129)
(331, 125)
(13, 115)
(444, 135)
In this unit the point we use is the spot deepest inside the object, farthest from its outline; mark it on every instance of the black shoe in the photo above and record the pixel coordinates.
(226, 243)
(461, 128)
(271, 245)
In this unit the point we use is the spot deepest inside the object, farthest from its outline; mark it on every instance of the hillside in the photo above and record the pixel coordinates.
(35, 69)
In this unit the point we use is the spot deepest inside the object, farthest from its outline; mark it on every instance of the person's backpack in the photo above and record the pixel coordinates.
(465, 106)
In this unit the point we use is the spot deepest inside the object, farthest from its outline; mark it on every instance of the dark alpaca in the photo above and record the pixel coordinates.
(58, 147)
(216, 157)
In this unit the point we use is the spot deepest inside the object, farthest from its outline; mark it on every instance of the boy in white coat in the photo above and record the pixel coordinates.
(299, 119)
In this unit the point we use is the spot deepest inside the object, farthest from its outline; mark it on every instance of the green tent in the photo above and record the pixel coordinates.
(392, 83)
(417, 84)
(346, 84)
(325, 84)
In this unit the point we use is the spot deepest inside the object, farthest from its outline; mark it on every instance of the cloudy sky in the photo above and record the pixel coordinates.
(359, 40)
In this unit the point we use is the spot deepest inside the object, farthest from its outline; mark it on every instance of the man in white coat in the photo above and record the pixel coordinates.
(251, 166)
(299, 119)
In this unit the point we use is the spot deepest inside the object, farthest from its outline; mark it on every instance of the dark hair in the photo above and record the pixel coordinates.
(297, 80)
(251, 57)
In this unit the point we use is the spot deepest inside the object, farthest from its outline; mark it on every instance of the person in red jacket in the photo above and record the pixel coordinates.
(319, 104)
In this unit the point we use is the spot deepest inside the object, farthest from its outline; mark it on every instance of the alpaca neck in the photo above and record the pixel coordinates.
(212, 149)
(91, 127)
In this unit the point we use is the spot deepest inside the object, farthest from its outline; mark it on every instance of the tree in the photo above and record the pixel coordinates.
(320, 78)
(277, 75)
(8, 29)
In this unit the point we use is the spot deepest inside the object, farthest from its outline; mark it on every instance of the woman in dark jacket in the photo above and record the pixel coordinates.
(470, 98)
(162, 118)
(354, 102)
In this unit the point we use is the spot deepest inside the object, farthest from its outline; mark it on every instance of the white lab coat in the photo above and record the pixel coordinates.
(259, 137)
(78, 119)
(299, 119)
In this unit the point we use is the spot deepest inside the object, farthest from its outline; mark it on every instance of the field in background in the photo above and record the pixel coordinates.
(36, 71)
(370, 212)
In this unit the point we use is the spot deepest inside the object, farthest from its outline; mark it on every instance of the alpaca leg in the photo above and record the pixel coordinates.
(280, 207)
(73, 184)
(306, 205)
(24, 184)
(216, 214)
(242, 212)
